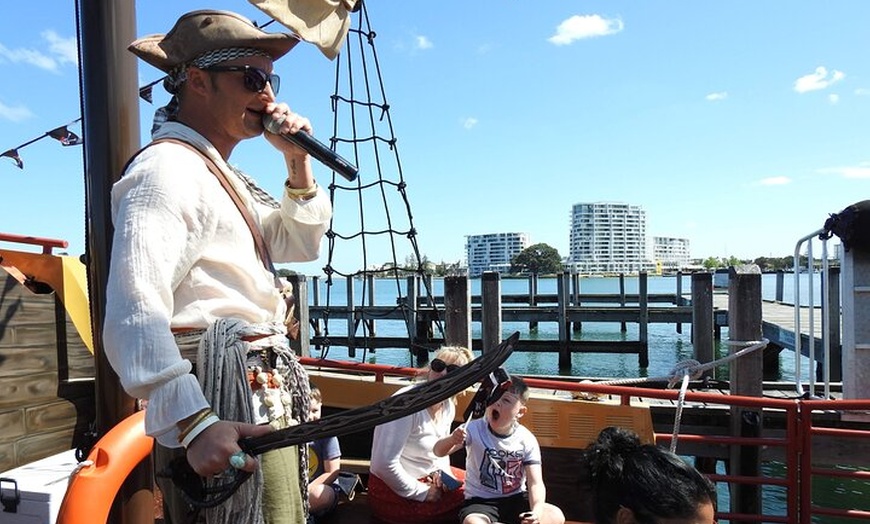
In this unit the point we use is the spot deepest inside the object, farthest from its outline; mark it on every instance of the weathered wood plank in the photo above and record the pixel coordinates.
(60, 414)
(11, 424)
(42, 445)
(27, 389)
(7, 456)
(26, 360)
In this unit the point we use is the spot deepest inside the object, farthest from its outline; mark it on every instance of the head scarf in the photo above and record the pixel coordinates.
(178, 75)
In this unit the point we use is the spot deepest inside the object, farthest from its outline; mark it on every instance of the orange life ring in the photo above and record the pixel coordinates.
(92, 489)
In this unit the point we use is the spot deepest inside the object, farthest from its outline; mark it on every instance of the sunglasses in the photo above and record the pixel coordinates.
(255, 79)
(437, 365)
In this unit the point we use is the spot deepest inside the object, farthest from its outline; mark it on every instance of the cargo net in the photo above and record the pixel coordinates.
(371, 239)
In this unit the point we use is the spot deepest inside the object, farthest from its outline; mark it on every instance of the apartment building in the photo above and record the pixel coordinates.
(608, 238)
(671, 253)
(493, 251)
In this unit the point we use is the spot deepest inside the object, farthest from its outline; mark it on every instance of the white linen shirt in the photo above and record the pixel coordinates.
(182, 257)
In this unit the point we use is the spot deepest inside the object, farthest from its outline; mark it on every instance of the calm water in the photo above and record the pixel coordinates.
(666, 347)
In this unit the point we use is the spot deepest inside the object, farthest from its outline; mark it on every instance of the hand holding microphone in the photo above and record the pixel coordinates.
(313, 147)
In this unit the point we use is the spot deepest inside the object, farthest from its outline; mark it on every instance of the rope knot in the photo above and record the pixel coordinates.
(689, 367)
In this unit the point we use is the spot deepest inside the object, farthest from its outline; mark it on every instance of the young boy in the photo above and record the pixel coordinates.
(324, 460)
(503, 481)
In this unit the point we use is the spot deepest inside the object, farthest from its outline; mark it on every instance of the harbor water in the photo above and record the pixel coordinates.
(666, 345)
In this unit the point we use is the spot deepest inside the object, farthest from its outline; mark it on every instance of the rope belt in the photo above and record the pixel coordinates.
(248, 373)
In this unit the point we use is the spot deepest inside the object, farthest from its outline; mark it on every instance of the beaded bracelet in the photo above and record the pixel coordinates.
(199, 428)
(200, 416)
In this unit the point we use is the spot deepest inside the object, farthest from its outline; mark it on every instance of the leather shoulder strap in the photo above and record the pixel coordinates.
(259, 241)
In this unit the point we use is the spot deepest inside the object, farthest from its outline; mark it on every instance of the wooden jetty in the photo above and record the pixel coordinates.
(704, 309)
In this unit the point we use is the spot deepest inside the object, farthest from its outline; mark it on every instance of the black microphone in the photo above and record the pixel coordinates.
(313, 147)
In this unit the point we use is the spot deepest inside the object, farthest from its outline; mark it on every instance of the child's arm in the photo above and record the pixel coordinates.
(537, 490)
(450, 443)
(330, 471)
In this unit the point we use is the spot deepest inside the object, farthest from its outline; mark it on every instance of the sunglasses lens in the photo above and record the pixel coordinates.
(452, 367)
(275, 82)
(255, 80)
(437, 365)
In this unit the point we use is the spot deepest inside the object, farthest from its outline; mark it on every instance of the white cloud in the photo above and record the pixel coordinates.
(774, 181)
(860, 171)
(588, 26)
(819, 79)
(469, 122)
(60, 51)
(713, 97)
(27, 56)
(64, 49)
(833, 98)
(421, 42)
(862, 91)
(14, 114)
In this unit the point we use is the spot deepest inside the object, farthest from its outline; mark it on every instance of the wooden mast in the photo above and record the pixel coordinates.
(110, 110)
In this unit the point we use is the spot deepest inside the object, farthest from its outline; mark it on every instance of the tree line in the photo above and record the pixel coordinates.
(543, 259)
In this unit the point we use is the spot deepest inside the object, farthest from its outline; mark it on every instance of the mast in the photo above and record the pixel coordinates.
(110, 126)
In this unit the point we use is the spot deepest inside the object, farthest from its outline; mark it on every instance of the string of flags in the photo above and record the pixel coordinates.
(66, 137)
(63, 135)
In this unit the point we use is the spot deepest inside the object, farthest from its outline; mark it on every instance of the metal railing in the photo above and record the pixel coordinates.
(825, 323)
(805, 426)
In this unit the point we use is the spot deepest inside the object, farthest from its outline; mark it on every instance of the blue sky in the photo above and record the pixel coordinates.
(739, 125)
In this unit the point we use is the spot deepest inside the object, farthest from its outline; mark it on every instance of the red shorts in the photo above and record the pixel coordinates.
(390, 508)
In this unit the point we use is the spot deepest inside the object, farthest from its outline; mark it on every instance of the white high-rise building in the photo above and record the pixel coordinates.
(672, 253)
(608, 237)
(493, 251)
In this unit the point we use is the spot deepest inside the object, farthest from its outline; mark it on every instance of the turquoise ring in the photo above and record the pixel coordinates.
(237, 459)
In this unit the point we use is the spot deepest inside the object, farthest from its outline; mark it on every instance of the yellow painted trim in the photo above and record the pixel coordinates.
(75, 298)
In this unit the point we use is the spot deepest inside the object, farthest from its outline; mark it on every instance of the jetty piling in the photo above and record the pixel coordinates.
(351, 324)
(370, 286)
(702, 319)
(704, 308)
(457, 311)
(576, 326)
(681, 301)
(643, 320)
(744, 325)
(562, 319)
(490, 309)
(533, 299)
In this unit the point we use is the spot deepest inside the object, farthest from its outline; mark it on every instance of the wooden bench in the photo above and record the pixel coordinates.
(359, 466)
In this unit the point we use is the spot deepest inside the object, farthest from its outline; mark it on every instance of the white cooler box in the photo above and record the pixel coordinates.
(41, 486)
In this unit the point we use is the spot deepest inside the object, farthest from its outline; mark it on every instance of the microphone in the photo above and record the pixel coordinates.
(313, 147)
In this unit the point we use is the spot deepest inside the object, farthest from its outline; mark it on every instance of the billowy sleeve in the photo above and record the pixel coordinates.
(158, 210)
(295, 229)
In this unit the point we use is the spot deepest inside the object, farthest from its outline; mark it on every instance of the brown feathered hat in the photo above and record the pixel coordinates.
(202, 31)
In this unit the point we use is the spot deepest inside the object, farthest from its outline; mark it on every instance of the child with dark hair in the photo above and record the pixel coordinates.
(503, 481)
(635, 483)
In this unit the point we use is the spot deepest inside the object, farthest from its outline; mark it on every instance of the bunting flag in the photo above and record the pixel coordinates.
(13, 154)
(65, 136)
(145, 93)
(62, 134)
